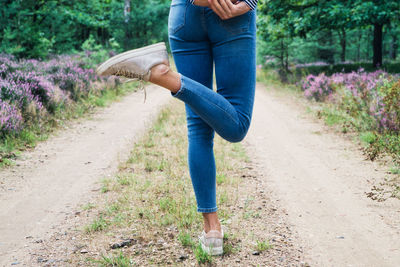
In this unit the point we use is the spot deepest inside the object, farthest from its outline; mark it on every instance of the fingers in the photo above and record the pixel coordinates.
(226, 7)
(216, 7)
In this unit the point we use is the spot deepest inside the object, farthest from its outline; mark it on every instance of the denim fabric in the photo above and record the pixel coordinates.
(199, 40)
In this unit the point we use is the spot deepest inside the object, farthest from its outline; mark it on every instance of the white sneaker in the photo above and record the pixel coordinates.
(212, 242)
(135, 64)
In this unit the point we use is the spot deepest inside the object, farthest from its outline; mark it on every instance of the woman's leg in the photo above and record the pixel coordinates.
(228, 112)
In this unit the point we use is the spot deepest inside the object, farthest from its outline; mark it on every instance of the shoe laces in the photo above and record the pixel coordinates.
(133, 77)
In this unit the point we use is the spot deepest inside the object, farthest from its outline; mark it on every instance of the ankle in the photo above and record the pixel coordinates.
(215, 226)
(158, 71)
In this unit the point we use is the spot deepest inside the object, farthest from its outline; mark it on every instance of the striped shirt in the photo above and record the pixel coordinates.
(251, 3)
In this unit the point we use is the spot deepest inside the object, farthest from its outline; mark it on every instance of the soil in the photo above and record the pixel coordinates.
(323, 180)
(310, 183)
(49, 182)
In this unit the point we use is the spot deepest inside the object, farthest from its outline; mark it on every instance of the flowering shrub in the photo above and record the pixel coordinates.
(318, 87)
(29, 89)
(10, 118)
(376, 94)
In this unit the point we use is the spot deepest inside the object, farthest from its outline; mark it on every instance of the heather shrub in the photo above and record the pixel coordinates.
(388, 108)
(10, 118)
(32, 90)
(366, 101)
(318, 87)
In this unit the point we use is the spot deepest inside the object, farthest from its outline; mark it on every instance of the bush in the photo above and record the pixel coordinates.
(320, 67)
(360, 94)
(30, 89)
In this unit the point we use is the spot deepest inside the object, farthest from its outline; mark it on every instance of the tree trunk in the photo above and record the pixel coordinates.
(359, 45)
(287, 58)
(378, 41)
(282, 55)
(343, 44)
(127, 10)
(393, 47)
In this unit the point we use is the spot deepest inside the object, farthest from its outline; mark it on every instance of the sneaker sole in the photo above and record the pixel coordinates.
(132, 53)
(213, 251)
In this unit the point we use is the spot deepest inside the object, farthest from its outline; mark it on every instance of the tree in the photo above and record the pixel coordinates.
(305, 17)
(378, 13)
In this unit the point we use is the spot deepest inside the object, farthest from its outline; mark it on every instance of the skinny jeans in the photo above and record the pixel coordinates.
(201, 41)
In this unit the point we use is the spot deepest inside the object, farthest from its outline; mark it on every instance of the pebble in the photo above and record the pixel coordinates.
(40, 259)
(123, 243)
(83, 251)
(256, 253)
(182, 257)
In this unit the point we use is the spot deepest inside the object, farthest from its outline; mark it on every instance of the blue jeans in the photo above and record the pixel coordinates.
(199, 39)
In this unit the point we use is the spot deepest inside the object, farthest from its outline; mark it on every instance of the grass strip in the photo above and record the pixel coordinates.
(151, 201)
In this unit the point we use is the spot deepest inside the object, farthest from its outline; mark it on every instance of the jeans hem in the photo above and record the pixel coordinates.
(180, 91)
(209, 210)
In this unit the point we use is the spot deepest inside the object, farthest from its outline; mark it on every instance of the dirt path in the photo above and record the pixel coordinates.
(321, 179)
(318, 177)
(62, 172)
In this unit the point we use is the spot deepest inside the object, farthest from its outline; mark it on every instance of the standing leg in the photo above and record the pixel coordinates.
(193, 58)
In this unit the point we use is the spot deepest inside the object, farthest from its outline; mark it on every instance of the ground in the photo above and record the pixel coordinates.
(298, 194)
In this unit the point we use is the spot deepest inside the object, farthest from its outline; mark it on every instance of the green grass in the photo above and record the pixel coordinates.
(262, 246)
(185, 239)
(152, 192)
(202, 256)
(88, 206)
(98, 224)
(113, 261)
(395, 170)
(368, 138)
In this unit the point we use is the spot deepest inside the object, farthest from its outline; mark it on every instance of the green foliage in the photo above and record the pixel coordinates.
(262, 246)
(35, 29)
(113, 260)
(186, 239)
(303, 31)
(202, 256)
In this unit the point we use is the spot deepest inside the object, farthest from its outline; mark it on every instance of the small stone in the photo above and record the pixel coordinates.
(123, 243)
(340, 237)
(40, 259)
(84, 251)
(256, 253)
(182, 257)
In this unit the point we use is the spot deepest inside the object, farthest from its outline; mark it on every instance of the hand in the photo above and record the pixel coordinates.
(225, 9)
(205, 2)
(201, 3)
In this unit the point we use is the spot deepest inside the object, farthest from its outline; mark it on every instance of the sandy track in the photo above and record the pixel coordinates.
(321, 179)
(63, 171)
